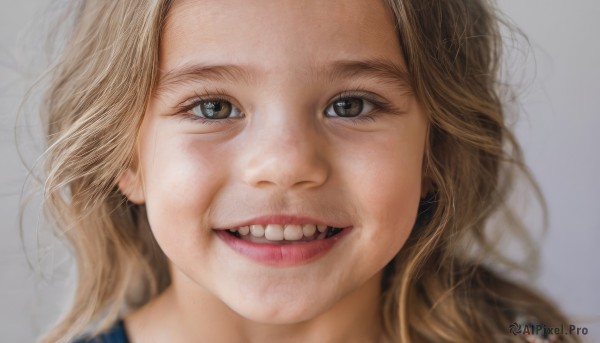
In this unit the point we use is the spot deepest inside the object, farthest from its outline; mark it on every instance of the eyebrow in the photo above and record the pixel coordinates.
(379, 69)
(207, 73)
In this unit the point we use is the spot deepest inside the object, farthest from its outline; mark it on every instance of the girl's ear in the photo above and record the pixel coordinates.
(131, 185)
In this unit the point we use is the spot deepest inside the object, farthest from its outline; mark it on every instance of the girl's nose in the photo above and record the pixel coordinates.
(286, 151)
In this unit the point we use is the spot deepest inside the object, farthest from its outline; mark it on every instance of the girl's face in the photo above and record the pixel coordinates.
(280, 112)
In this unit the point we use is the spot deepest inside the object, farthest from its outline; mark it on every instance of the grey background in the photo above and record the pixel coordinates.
(560, 112)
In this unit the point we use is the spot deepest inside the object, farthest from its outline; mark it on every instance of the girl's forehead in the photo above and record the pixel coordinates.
(277, 36)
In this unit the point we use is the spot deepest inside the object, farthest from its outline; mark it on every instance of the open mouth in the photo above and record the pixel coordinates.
(283, 245)
(284, 234)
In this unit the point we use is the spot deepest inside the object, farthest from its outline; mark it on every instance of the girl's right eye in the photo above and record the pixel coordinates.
(214, 109)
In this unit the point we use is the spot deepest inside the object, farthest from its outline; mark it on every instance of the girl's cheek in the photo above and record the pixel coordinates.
(183, 176)
(384, 172)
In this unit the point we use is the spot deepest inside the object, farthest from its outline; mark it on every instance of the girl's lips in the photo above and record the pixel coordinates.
(282, 255)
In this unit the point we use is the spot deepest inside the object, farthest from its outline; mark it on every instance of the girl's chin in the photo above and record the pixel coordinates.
(277, 311)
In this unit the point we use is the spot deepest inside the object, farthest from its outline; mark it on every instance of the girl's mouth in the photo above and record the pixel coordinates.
(284, 234)
(283, 245)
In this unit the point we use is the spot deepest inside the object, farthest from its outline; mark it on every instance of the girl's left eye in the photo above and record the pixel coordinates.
(349, 107)
(215, 109)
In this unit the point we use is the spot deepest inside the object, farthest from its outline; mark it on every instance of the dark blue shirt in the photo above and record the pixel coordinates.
(116, 334)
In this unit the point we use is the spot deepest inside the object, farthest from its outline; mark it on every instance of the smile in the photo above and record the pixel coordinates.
(282, 244)
(284, 234)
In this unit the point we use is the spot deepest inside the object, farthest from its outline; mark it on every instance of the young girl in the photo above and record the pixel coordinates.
(284, 171)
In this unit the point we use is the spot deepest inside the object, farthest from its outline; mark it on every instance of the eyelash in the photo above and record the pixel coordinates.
(378, 104)
(185, 109)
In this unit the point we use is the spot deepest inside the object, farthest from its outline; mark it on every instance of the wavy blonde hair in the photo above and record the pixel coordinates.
(432, 291)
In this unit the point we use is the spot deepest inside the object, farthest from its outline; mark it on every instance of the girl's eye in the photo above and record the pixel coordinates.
(349, 107)
(215, 109)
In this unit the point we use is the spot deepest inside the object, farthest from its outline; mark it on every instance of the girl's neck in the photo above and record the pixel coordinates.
(186, 313)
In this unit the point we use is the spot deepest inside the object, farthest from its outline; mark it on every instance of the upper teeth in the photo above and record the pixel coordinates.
(276, 232)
